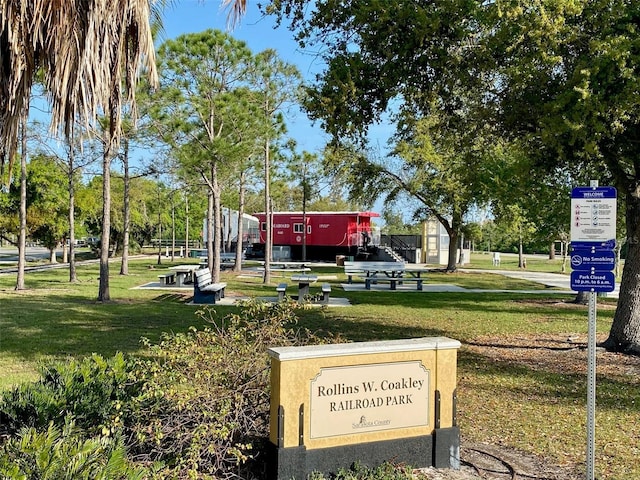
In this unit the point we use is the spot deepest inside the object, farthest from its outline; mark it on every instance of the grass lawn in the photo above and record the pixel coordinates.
(521, 384)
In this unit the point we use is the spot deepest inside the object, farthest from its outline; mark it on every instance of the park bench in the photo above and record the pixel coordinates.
(167, 278)
(281, 289)
(392, 281)
(351, 270)
(326, 291)
(204, 291)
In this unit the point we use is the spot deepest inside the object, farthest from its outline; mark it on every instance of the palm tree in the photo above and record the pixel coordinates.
(84, 49)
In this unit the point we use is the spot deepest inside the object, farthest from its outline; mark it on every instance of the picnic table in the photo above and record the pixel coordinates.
(184, 273)
(291, 266)
(227, 260)
(393, 273)
(304, 280)
(415, 271)
(373, 268)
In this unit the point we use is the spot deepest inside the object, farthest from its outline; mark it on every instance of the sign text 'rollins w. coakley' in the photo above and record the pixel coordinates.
(365, 398)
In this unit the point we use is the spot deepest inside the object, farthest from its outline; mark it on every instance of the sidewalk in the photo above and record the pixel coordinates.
(556, 280)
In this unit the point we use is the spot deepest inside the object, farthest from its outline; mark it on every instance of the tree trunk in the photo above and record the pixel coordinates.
(173, 230)
(52, 255)
(552, 251)
(563, 248)
(104, 294)
(582, 298)
(217, 219)
(73, 274)
(452, 263)
(210, 230)
(304, 222)
(126, 220)
(227, 224)
(268, 215)
(240, 243)
(624, 335)
(159, 231)
(22, 238)
(186, 225)
(453, 229)
(522, 262)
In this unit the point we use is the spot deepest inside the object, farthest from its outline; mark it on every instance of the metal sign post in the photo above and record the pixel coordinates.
(591, 388)
(593, 234)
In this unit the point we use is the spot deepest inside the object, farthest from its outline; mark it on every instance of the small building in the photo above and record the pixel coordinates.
(436, 245)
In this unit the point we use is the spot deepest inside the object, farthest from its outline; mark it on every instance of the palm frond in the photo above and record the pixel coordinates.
(236, 10)
(87, 50)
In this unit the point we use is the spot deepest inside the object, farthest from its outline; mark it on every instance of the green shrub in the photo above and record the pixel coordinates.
(206, 404)
(94, 391)
(63, 453)
(386, 471)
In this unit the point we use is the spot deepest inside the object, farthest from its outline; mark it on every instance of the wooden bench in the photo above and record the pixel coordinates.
(167, 278)
(413, 279)
(351, 270)
(281, 289)
(326, 291)
(204, 291)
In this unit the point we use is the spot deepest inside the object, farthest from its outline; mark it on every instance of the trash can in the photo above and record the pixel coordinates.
(340, 260)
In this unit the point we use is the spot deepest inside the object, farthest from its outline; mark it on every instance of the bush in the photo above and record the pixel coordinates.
(206, 411)
(94, 391)
(60, 453)
(386, 471)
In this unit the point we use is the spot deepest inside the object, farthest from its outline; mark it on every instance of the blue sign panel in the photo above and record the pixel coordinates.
(593, 282)
(600, 245)
(593, 216)
(593, 192)
(593, 260)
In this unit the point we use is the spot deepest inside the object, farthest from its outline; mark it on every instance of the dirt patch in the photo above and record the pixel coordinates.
(564, 305)
(480, 461)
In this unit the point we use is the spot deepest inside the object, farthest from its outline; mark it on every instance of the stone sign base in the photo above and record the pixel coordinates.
(440, 450)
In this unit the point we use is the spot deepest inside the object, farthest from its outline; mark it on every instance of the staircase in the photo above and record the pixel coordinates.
(386, 254)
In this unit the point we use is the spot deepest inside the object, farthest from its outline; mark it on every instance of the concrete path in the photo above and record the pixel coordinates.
(556, 280)
(552, 280)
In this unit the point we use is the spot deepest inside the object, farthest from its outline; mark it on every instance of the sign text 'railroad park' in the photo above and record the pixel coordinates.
(365, 398)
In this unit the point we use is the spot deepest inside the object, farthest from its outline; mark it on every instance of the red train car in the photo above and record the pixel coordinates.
(325, 234)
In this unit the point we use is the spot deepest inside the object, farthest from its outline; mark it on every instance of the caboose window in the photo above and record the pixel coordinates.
(263, 226)
(308, 228)
(298, 228)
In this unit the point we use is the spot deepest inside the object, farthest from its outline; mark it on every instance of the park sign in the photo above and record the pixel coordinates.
(333, 405)
(593, 238)
(592, 260)
(593, 281)
(593, 217)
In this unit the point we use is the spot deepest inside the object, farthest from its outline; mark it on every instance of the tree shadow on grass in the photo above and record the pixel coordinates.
(33, 327)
